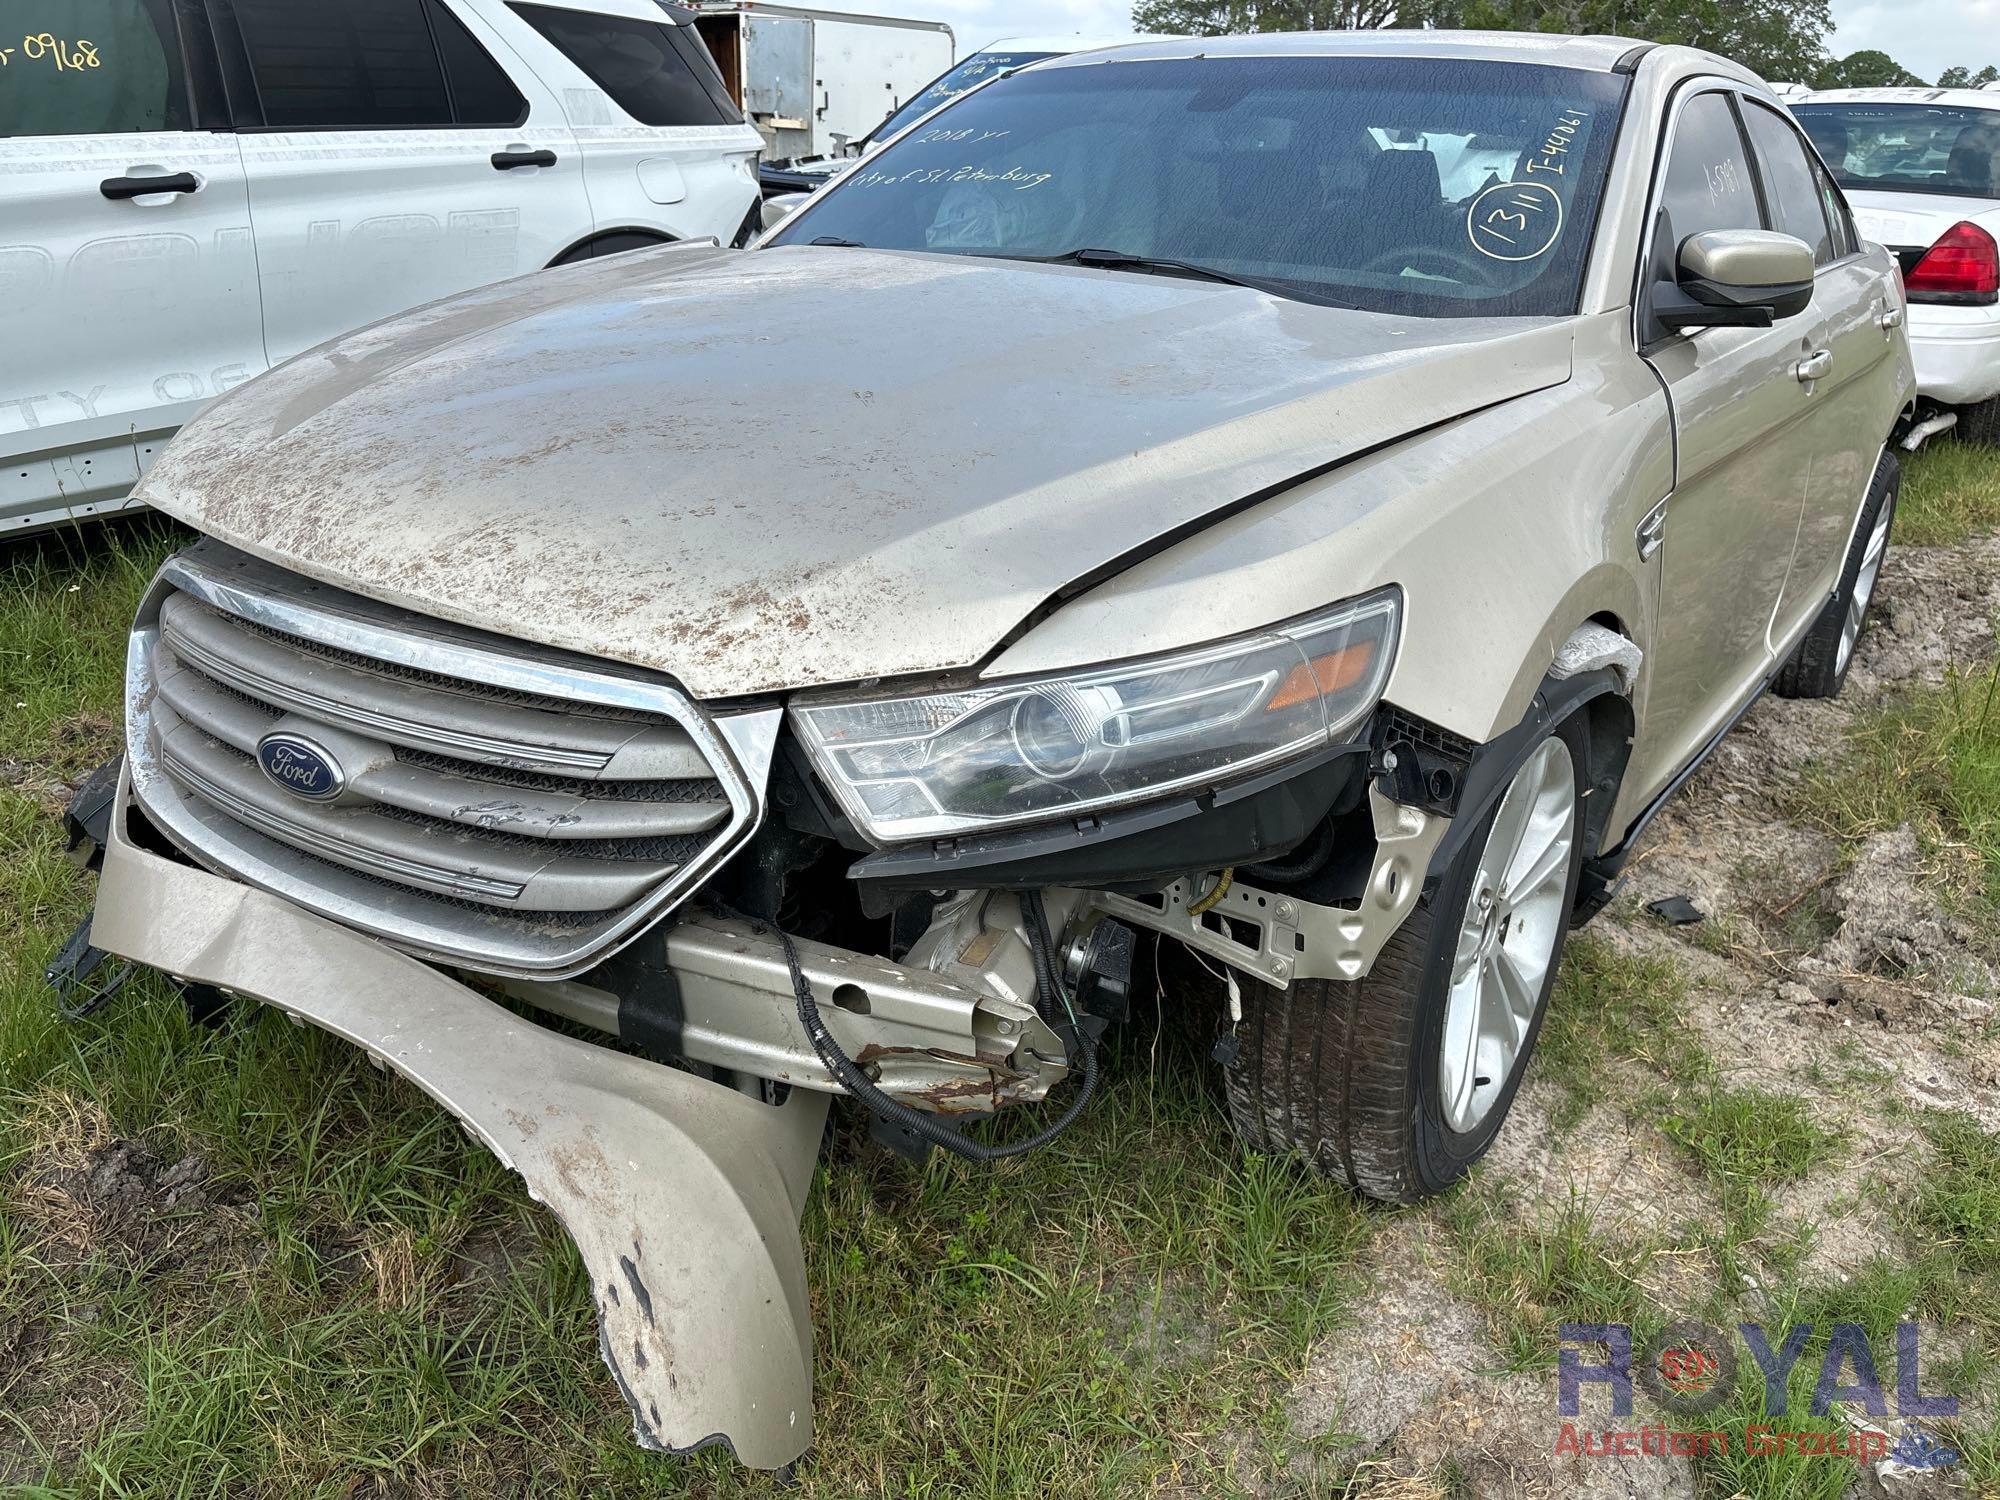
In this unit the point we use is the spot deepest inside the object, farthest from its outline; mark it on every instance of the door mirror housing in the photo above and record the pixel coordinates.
(1737, 278)
(780, 207)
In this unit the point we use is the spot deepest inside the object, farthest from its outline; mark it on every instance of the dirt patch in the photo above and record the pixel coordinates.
(1892, 927)
(1608, 1161)
(76, 746)
(1413, 1389)
(87, 1193)
(1937, 606)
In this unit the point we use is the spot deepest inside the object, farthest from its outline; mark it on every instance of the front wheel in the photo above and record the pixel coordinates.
(1398, 1082)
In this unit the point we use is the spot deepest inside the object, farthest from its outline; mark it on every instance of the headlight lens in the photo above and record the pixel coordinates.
(998, 754)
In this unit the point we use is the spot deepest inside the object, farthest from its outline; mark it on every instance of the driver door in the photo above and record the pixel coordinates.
(1744, 439)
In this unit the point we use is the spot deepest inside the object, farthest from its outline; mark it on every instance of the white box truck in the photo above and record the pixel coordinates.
(812, 79)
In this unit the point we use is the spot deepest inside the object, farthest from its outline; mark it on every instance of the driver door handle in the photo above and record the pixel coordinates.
(1813, 366)
(118, 189)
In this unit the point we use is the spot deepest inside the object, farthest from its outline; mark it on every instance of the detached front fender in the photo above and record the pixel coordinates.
(682, 1196)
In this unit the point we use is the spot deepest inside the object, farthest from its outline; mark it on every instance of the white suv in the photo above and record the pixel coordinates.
(194, 190)
(1921, 168)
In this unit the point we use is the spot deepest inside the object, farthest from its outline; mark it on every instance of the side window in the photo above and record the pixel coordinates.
(90, 67)
(481, 92)
(355, 64)
(1789, 181)
(1708, 183)
(1846, 238)
(635, 62)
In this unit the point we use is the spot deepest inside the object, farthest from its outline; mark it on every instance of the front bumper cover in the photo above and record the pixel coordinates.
(682, 1196)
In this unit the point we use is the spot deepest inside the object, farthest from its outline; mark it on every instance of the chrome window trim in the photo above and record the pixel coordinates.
(1686, 90)
(738, 748)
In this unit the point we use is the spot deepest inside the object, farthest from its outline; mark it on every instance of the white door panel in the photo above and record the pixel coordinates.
(633, 170)
(683, 180)
(366, 202)
(353, 226)
(122, 315)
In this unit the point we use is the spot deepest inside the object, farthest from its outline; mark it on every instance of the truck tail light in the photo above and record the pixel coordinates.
(1962, 267)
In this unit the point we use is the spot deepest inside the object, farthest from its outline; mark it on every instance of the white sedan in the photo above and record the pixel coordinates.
(1921, 169)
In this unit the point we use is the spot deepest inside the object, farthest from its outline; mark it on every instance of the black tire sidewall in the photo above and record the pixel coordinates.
(1886, 490)
(1441, 1154)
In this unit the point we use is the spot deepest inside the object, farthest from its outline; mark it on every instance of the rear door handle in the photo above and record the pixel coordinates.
(1888, 318)
(1814, 366)
(506, 161)
(117, 189)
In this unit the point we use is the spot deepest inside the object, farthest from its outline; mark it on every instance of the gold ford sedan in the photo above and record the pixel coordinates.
(1311, 497)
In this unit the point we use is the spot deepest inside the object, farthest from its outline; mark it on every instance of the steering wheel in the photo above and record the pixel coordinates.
(1460, 265)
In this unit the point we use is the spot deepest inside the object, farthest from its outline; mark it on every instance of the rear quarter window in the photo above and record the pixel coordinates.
(90, 67)
(640, 64)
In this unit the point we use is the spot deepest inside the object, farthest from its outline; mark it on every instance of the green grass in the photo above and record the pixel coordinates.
(1744, 1137)
(1930, 759)
(1611, 1005)
(1534, 1271)
(1951, 493)
(1957, 1209)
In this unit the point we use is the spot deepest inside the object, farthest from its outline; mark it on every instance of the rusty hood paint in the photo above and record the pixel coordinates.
(803, 466)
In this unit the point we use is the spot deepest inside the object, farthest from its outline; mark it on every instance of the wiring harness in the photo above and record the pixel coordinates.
(1053, 1003)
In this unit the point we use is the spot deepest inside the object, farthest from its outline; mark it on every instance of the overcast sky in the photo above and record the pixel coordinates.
(1926, 36)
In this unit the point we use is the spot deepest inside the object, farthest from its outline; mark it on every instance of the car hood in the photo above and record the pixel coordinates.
(793, 467)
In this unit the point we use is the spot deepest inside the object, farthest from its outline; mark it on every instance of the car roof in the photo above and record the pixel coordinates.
(1068, 42)
(1958, 98)
(1597, 53)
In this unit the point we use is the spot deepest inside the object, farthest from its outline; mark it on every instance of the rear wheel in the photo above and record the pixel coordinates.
(1398, 1082)
(1981, 423)
(1818, 664)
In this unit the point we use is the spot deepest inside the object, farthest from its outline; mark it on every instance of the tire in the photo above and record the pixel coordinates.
(1981, 423)
(1818, 664)
(1349, 1076)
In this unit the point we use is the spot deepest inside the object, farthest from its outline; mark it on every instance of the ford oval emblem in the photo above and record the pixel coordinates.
(301, 767)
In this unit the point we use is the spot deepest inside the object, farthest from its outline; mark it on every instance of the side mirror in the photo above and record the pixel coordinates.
(1737, 278)
(780, 207)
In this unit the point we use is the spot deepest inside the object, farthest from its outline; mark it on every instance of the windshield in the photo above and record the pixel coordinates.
(952, 82)
(1414, 185)
(1908, 148)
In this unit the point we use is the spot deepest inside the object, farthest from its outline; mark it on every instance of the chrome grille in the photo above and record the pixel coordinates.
(500, 808)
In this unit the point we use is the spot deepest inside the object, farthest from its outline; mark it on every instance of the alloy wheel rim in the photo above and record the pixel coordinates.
(1864, 589)
(1507, 936)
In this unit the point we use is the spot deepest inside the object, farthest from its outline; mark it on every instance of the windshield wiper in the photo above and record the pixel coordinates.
(836, 240)
(1119, 260)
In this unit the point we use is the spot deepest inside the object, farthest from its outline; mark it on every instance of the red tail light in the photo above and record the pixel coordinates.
(1963, 266)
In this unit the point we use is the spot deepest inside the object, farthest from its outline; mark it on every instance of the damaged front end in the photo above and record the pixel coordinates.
(390, 827)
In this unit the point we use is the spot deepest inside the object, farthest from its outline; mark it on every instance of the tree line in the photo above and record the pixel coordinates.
(1784, 40)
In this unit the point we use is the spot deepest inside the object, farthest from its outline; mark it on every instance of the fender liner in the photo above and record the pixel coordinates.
(1494, 763)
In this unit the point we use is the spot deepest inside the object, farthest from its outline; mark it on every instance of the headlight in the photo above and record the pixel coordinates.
(1032, 750)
